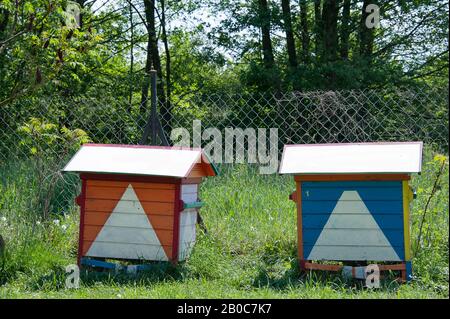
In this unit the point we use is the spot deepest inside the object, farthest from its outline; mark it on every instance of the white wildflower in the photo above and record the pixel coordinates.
(56, 222)
(3, 219)
(64, 227)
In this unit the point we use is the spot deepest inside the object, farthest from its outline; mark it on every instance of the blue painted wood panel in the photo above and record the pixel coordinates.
(396, 237)
(368, 193)
(370, 213)
(377, 207)
(318, 220)
(347, 184)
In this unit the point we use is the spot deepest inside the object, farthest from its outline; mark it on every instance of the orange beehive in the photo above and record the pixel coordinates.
(138, 202)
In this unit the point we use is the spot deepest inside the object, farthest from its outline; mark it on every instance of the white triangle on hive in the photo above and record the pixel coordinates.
(361, 239)
(128, 233)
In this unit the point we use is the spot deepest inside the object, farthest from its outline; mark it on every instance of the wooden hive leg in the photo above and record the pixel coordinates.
(297, 197)
(408, 271)
(301, 263)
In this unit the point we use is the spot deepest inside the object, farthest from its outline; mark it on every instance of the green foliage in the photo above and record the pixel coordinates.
(39, 137)
(48, 145)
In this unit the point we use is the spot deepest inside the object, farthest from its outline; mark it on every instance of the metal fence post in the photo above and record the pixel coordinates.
(153, 106)
(153, 121)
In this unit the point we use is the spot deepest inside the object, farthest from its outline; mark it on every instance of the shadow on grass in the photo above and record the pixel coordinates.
(293, 278)
(159, 272)
(55, 278)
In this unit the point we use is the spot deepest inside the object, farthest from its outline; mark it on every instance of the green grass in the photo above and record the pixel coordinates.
(249, 250)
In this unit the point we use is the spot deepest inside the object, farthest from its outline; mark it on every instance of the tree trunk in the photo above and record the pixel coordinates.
(4, 18)
(131, 58)
(366, 35)
(304, 30)
(146, 83)
(318, 30)
(153, 60)
(345, 29)
(168, 116)
(268, 58)
(272, 79)
(330, 41)
(290, 42)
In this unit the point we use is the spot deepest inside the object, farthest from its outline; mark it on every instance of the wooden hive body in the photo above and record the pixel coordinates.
(137, 217)
(353, 218)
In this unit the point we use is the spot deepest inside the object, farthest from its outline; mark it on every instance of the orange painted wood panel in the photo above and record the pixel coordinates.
(107, 205)
(144, 194)
(351, 177)
(91, 232)
(197, 171)
(193, 180)
(392, 267)
(96, 218)
(121, 184)
(314, 266)
(88, 243)
(157, 200)
(99, 219)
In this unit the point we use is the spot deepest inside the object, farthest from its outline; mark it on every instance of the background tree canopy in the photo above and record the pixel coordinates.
(217, 45)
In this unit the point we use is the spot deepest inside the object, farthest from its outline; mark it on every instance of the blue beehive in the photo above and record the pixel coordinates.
(353, 204)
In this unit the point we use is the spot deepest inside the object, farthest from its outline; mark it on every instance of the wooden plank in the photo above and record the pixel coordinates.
(189, 198)
(198, 171)
(188, 217)
(122, 184)
(352, 237)
(138, 227)
(99, 219)
(315, 266)
(154, 208)
(352, 184)
(144, 194)
(352, 220)
(185, 250)
(189, 193)
(356, 253)
(378, 207)
(176, 225)
(187, 234)
(407, 197)
(193, 180)
(129, 251)
(300, 222)
(189, 189)
(130, 178)
(368, 194)
(352, 177)
(188, 222)
(127, 234)
(81, 226)
(392, 267)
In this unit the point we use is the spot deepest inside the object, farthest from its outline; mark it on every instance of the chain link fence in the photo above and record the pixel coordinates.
(395, 114)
